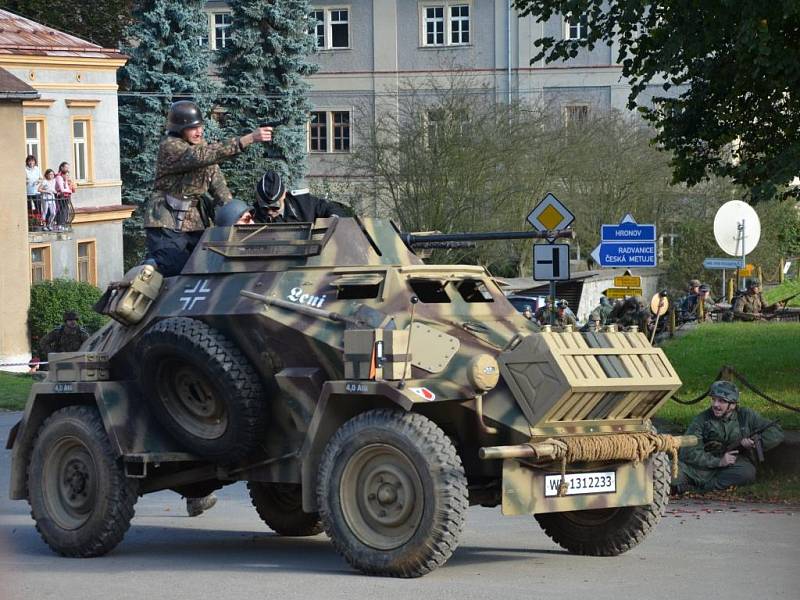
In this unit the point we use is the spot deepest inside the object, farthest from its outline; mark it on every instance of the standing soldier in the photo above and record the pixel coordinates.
(67, 337)
(564, 315)
(186, 169)
(750, 306)
(543, 313)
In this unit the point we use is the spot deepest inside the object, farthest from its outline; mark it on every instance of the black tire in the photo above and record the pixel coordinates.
(411, 522)
(280, 506)
(202, 389)
(610, 531)
(80, 499)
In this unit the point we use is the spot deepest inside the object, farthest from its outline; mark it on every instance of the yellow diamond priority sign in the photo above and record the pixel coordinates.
(550, 215)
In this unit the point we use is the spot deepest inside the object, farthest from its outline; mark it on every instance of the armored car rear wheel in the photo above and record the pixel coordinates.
(202, 389)
(610, 531)
(392, 493)
(80, 499)
(280, 506)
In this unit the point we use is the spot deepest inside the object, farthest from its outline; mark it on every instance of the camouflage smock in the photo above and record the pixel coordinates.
(63, 339)
(185, 170)
(748, 307)
(715, 435)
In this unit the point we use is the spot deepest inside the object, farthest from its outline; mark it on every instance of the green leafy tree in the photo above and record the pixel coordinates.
(51, 299)
(740, 116)
(262, 67)
(98, 22)
(166, 63)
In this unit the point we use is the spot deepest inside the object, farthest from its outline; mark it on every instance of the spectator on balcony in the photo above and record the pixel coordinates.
(47, 189)
(33, 177)
(65, 187)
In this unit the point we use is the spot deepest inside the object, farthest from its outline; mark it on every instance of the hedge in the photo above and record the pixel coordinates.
(49, 301)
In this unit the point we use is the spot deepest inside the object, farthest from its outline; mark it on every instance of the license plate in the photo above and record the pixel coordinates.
(582, 483)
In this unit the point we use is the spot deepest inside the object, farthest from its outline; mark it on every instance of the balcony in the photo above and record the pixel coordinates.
(59, 221)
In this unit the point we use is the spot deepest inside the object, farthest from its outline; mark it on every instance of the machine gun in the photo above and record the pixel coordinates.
(419, 239)
(754, 435)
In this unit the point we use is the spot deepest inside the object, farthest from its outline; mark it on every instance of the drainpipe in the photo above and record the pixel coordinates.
(508, 40)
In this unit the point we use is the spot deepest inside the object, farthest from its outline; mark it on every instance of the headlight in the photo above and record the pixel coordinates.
(483, 372)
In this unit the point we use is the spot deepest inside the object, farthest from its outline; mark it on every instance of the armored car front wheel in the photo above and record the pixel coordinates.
(392, 493)
(80, 499)
(610, 531)
(202, 389)
(280, 506)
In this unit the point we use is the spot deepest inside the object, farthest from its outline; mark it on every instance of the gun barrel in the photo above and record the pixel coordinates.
(416, 238)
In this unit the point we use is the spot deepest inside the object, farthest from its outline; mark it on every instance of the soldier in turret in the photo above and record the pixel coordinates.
(187, 168)
(276, 204)
(67, 337)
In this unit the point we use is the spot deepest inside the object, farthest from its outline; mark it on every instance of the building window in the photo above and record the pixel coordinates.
(329, 131)
(331, 28)
(576, 28)
(576, 115)
(81, 149)
(34, 140)
(222, 25)
(442, 125)
(40, 264)
(87, 262)
(445, 23)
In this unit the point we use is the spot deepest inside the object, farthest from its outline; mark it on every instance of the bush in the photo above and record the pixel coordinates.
(49, 301)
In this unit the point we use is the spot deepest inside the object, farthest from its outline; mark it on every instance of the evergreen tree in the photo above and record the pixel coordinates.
(167, 63)
(262, 68)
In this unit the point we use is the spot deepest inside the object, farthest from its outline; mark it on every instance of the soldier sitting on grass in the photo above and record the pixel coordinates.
(728, 439)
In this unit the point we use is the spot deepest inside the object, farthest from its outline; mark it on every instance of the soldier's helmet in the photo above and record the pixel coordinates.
(754, 283)
(269, 190)
(694, 283)
(182, 115)
(604, 301)
(230, 213)
(705, 288)
(526, 308)
(563, 304)
(70, 315)
(725, 390)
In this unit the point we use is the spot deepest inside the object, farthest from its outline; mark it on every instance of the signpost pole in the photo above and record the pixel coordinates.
(723, 283)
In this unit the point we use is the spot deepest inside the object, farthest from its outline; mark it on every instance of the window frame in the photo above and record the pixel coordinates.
(327, 24)
(329, 131)
(211, 29)
(92, 260)
(571, 122)
(41, 121)
(446, 6)
(582, 27)
(89, 146)
(47, 263)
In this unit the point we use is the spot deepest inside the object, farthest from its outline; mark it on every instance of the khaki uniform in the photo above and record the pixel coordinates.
(564, 318)
(63, 339)
(184, 172)
(699, 465)
(748, 306)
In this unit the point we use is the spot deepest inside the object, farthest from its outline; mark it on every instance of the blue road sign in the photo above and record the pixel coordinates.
(627, 244)
(628, 232)
(626, 254)
(722, 263)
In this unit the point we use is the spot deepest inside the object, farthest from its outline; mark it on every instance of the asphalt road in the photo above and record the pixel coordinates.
(698, 550)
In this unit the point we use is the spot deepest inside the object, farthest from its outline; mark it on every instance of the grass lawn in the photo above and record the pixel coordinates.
(14, 390)
(767, 354)
(784, 290)
(769, 487)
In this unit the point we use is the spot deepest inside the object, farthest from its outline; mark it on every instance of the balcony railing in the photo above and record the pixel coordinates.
(57, 215)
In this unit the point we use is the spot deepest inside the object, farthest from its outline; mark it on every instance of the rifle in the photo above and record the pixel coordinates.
(778, 307)
(755, 435)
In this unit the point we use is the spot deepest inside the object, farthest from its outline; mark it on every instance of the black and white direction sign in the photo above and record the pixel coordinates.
(550, 262)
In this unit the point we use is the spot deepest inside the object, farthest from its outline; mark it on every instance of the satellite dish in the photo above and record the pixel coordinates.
(728, 228)
(659, 304)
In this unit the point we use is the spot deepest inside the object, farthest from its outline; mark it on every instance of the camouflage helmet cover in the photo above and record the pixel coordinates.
(724, 390)
(694, 283)
(754, 283)
(183, 114)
